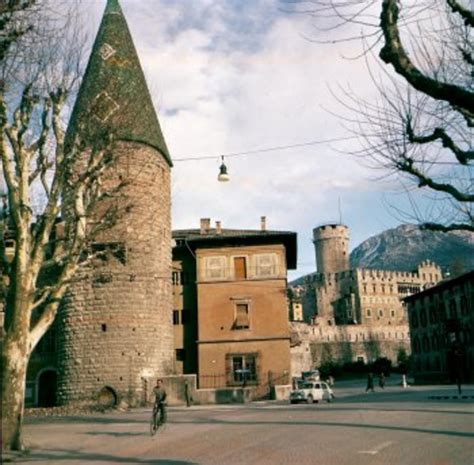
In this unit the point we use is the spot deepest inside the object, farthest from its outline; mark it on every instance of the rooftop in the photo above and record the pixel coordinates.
(221, 237)
(114, 96)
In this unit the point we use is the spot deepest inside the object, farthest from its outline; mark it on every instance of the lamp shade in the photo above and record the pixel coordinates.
(223, 175)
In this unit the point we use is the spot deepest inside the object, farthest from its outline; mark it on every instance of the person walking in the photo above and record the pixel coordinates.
(382, 380)
(187, 394)
(370, 383)
(404, 381)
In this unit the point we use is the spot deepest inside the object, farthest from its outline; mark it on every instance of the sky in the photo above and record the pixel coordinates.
(231, 76)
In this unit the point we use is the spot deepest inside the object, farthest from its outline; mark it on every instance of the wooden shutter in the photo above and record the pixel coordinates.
(240, 268)
(242, 320)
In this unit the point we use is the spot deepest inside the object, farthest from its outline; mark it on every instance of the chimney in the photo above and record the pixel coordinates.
(218, 227)
(205, 225)
(263, 223)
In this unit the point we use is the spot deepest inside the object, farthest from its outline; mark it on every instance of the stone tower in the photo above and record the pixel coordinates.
(116, 321)
(331, 242)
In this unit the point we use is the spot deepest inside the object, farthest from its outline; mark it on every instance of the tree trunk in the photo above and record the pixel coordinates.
(15, 357)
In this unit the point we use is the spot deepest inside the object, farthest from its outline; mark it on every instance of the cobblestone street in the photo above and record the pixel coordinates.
(392, 427)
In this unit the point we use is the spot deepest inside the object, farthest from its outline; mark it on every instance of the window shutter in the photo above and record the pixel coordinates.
(266, 265)
(240, 268)
(242, 320)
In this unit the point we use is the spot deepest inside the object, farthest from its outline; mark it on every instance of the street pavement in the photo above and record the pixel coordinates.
(391, 427)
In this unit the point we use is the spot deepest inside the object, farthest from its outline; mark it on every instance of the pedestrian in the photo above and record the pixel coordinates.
(370, 383)
(187, 394)
(404, 381)
(382, 380)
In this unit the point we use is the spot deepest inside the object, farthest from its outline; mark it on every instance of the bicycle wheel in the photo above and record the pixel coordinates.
(154, 424)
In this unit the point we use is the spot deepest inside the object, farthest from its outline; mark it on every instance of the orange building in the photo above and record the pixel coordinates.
(231, 312)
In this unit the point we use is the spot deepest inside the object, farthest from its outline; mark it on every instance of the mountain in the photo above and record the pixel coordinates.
(403, 247)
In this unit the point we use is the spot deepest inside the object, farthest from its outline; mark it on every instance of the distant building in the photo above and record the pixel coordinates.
(441, 322)
(231, 313)
(361, 307)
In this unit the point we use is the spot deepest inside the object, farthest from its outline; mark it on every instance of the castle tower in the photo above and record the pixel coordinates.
(116, 321)
(331, 242)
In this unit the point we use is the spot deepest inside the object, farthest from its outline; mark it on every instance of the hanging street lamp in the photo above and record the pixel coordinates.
(223, 175)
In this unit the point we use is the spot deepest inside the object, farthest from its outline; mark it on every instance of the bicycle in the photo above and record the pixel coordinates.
(158, 418)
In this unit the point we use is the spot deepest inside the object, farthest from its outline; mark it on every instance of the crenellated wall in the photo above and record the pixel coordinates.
(314, 345)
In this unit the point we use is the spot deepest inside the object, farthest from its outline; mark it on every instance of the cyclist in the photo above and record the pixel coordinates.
(160, 401)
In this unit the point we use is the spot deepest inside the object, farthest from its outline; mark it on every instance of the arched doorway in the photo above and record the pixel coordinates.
(107, 397)
(47, 385)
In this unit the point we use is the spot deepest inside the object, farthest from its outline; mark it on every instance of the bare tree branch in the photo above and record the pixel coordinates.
(394, 53)
(466, 14)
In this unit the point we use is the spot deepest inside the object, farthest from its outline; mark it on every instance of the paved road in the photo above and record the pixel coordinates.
(394, 427)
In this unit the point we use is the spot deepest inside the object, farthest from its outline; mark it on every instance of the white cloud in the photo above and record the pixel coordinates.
(228, 79)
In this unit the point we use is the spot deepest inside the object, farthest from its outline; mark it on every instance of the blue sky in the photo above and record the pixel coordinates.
(231, 76)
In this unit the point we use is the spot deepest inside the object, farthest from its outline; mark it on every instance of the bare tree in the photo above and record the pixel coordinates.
(419, 127)
(40, 252)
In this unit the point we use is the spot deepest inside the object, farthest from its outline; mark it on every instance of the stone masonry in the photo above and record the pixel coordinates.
(115, 324)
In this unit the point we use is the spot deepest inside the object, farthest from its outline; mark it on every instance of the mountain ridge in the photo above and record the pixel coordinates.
(402, 248)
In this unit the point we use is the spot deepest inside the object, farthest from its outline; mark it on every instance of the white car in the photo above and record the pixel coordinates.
(311, 391)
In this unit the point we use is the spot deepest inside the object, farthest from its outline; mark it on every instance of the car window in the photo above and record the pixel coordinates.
(317, 386)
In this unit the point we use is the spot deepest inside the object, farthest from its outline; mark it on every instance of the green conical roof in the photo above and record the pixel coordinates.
(113, 94)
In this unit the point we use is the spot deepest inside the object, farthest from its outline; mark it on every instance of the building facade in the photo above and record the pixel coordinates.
(358, 314)
(232, 286)
(441, 322)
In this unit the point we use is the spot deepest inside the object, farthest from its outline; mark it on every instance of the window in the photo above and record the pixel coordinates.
(105, 250)
(266, 265)
(380, 312)
(243, 367)
(240, 268)
(423, 319)
(393, 313)
(47, 344)
(369, 313)
(242, 319)
(452, 309)
(176, 280)
(214, 267)
(176, 317)
(416, 345)
(426, 344)
(180, 355)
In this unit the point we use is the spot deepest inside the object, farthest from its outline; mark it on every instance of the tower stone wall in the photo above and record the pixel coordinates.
(115, 324)
(331, 242)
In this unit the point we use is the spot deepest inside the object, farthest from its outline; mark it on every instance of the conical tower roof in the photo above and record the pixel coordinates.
(113, 94)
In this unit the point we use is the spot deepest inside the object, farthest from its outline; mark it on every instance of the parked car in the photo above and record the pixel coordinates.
(311, 391)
